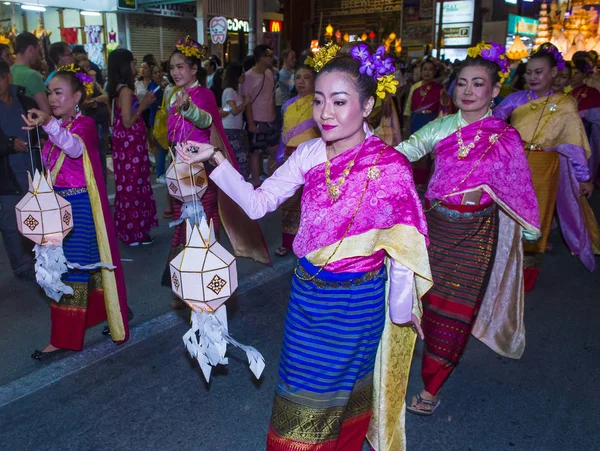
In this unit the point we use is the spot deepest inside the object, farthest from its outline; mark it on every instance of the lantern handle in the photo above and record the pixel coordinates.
(30, 151)
(195, 199)
(37, 130)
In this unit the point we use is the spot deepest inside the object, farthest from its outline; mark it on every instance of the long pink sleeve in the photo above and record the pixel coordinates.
(64, 139)
(401, 292)
(274, 191)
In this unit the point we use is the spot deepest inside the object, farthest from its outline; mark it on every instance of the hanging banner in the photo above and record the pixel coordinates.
(218, 30)
(523, 26)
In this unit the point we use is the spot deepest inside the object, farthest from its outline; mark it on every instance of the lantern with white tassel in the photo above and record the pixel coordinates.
(42, 215)
(46, 218)
(187, 182)
(204, 275)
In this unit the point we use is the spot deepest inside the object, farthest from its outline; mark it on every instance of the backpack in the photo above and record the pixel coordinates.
(160, 130)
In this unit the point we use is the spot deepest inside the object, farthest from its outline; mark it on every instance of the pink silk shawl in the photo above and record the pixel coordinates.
(389, 200)
(71, 173)
(503, 174)
(245, 235)
(85, 129)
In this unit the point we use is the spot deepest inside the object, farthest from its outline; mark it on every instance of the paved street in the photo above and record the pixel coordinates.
(149, 395)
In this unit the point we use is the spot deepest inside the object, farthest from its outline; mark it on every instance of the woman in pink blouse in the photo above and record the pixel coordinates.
(359, 208)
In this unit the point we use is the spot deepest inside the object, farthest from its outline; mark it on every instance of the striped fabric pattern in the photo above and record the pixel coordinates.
(324, 394)
(331, 335)
(461, 254)
(81, 245)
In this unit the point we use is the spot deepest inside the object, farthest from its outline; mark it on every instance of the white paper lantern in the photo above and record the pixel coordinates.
(186, 182)
(204, 274)
(42, 215)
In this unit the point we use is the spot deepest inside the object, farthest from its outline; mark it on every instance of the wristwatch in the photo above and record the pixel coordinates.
(11, 144)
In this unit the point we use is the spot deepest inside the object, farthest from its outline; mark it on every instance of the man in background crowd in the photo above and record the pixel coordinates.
(80, 50)
(27, 56)
(14, 164)
(259, 85)
(286, 74)
(6, 54)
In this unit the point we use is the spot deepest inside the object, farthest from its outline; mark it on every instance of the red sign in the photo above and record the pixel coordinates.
(275, 26)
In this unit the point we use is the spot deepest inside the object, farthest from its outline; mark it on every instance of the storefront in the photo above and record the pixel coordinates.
(377, 19)
(155, 29)
(235, 47)
(54, 21)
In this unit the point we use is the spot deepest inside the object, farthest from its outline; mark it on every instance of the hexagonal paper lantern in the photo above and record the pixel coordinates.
(42, 215)
(204, 274)
(186, 181)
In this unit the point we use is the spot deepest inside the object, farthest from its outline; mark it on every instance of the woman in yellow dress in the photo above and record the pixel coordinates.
(298, 127)
(557, 149)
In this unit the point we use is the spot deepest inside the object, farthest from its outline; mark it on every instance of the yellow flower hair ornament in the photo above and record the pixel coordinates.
(86, 80)
(323, 56)
(386, 84)
(191, 48)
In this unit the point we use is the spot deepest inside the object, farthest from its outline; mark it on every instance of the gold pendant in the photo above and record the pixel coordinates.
(463, 151)
(533, 106)
(373, 173)
(333, 191)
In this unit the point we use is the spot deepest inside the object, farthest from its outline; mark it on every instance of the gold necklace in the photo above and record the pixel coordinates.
(463, 150)
(302, 115)
(531, 105)
(538, 130)
(334, 189)
(493, 139)
(373, 173)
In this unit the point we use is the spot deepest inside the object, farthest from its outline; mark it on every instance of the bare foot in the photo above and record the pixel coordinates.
(49, 348)
(424, 403)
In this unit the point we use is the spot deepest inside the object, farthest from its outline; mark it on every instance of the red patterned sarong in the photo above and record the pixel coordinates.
(463, 243)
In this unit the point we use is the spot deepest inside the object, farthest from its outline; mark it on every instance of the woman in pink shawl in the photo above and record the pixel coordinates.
(480, 202)
(342, 353)
(71, 156)
(194, 116)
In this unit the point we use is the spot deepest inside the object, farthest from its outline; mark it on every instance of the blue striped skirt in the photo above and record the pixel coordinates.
(81, 245)
(332, 332)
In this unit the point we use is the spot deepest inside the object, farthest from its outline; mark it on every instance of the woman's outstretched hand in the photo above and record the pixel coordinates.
(35, 118)
(182, 100)
(195, 153)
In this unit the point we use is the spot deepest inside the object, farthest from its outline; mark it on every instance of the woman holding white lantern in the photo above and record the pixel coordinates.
(71, 156)
(194, 117)
(359, 206)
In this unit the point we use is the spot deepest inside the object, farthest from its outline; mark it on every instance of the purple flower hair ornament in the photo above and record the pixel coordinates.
(360, 52)
(551, 50)
(84, 78)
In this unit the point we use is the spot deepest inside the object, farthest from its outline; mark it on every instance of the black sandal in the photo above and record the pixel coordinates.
(41, 356)
(281, 251)
(413, 409)
(106, 329)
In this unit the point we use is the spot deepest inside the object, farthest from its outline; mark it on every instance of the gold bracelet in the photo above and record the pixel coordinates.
(211, 159)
